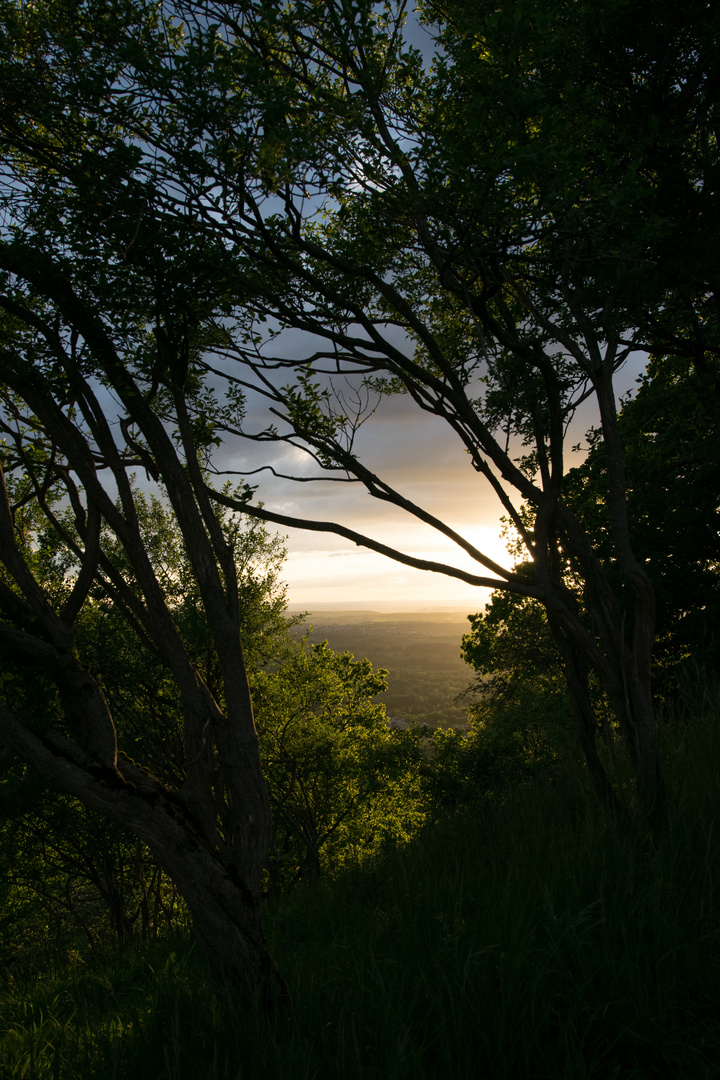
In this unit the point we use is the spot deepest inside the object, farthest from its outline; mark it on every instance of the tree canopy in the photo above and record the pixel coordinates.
(201, 200)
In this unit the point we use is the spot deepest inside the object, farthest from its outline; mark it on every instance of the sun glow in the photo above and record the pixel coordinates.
(332, 573)
(488, 541)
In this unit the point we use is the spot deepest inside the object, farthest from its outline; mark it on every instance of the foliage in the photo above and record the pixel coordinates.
(520, 716)
(342, 783)
(512, 740)
(511, 639)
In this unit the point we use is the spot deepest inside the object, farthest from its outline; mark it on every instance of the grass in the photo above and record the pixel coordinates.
(528, 940)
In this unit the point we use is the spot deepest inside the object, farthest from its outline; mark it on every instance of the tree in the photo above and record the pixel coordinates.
(342, 783)
(667, 428)
(208, 825)
(480, 251)
(91, 392)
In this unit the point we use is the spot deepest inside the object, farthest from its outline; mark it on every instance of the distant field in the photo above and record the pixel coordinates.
(421, 650)
(342, 617)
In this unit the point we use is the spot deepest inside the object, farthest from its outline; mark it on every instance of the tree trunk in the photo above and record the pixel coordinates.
(584, 719)
(223, 897)
(629, 646)
(621, 662)
(640, 726)
(227, 920)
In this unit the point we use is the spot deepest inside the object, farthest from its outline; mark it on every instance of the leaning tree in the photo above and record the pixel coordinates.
(76, 418)
(99, 380)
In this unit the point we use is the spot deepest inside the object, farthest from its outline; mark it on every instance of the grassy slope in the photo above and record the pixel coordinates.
(531, 940)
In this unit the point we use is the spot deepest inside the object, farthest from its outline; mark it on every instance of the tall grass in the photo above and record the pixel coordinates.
(530, 939)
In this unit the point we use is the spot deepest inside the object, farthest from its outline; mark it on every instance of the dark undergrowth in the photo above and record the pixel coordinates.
(532, 938)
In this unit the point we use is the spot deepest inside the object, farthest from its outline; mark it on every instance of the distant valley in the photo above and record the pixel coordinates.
(421, 650)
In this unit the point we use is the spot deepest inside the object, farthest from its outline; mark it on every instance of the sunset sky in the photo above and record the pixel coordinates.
(422, 458)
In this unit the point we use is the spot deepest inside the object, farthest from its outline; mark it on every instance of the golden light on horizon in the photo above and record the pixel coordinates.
(324, 569)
